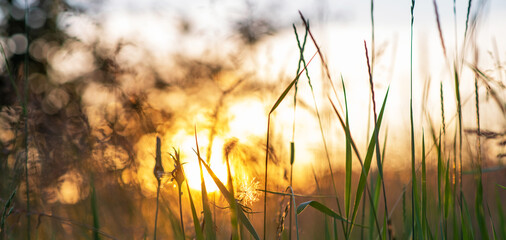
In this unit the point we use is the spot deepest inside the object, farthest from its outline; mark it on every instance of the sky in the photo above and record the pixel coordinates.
(340, 28)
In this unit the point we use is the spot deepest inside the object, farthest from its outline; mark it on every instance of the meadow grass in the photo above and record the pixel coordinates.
(452, 214)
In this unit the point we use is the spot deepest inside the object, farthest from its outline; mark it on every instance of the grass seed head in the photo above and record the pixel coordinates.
(158, 170)
(177, 173)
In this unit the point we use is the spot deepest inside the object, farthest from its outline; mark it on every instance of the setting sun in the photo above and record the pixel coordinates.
(192, 172)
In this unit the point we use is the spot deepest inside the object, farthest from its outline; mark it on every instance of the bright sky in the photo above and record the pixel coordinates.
(340, 28)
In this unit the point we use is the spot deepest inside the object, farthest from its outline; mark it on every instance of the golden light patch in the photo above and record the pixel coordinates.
(192, 171)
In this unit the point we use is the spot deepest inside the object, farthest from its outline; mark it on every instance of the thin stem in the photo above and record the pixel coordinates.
(266, 175)
(181, 211)
(413, 176)
(378, 155)
(156, 212)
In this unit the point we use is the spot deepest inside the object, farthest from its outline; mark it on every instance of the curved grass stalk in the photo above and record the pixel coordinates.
(276, 104)
(306, 24)
(413, 173)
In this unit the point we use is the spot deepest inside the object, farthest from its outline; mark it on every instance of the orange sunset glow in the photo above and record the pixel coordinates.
(221, 119)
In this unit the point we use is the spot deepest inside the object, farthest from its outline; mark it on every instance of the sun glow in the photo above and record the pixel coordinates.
(191, 164)
(192, 172)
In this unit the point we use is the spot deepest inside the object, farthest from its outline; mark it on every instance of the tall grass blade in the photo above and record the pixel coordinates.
(376, 191)
(276, 104)
(467, 18)
(378, 154)
(373, 55)
(367, 162)
(320, 207)
(174, 220)
(424, 191)
(413, 174)
(347, 193)
(479, 209)
(355, 149)
(196, 223)
(502, 219)
(289, 87)
(208, 217)
(322, 59)
(94, 210)
(178, 176)
(230, 188)
(467, 222)
(459, 111)
(324, 141)
(292, 197)
(231, 200)
(302, 62)
(440, 197)
(494, 233)
(335, 228)
(327, 227)
(7, 210)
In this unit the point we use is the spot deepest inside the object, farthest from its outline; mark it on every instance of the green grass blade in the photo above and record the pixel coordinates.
(276, 104)
(335, 228)
(94, 210)
(208, 217)
(440, 170)
(196, 223)
(320, 207)
(467, 18)
(327, 227)
(347, 193)
(7, 210)
(376, 189)
(448, 191)
(424, 191)
(494, 233)
(355, 149)
(230, 188)
(231, 200)
(467, 222)
(378, 154)
(289, 87)
(367, 161)
(174, 220)
(459, 111)
(502, 219)
(413, 176)
(295, 214)
(479, 210)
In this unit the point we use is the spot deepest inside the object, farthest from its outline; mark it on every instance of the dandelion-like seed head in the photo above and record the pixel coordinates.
(248, 193)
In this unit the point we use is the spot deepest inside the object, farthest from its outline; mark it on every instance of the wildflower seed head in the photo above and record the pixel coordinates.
(177, 173)
(247, 190)
(158, 171)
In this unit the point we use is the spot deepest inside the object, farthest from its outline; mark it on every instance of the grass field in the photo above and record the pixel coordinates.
(119, 149)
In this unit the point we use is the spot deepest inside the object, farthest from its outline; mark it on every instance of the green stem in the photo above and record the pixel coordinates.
(181, 211)
(156, 212)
